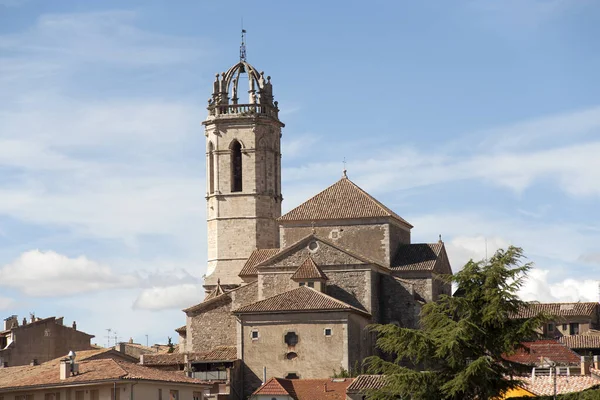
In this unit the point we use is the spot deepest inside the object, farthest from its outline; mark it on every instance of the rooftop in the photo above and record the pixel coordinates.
(417, 257)
(306, 389)
(534, 353)
(342, 200)
(560, 309)
(309, 270)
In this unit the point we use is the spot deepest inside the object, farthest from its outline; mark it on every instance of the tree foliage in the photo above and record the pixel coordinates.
(457, 353)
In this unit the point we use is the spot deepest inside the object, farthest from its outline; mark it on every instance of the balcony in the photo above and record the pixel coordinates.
(209, 375)
(244, 110)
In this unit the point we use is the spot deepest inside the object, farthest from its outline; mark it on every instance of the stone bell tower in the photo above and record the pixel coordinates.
(243, 166)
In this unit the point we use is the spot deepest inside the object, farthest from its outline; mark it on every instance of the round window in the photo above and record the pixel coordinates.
(312, 246)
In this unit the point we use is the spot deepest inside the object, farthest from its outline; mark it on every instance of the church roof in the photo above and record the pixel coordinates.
(342, 200)
(301, 299)
(309, 270)
(257, 256)
(417, 257)
(217, 291)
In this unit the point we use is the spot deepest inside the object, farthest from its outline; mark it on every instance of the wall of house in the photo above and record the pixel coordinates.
(318, 356)
(44, 340)
(397, 302)
(141, 391)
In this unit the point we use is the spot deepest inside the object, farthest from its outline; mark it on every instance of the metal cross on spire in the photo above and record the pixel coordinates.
(243, 45)
(344, 172)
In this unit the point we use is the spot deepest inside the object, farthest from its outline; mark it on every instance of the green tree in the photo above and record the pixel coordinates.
(458, 352)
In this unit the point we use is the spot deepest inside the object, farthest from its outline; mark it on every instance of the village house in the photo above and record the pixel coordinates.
(38, 340)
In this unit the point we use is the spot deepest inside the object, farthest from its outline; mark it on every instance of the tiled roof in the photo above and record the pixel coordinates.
(181, 329)
(559, 309)
(275, 387)
(533, 352)
(366, 382)
(95, 354)
(222, 297)
(309, 270)
(301, 299)
(89, 371)
(581, 341)
(417, 257)
(219, 353)
(342, 200)
(256, 258)
(217, 291)
(306, 389)
(544, 385)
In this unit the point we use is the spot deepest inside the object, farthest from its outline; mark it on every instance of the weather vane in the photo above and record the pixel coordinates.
(243, 45)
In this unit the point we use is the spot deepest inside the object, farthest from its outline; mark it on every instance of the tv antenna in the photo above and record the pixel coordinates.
(108, 331)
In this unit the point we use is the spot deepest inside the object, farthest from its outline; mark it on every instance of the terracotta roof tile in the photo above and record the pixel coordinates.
(417, 257)
(309, 270)
(300, 299)
(544, 385)
(533, 352)
(306, 389)
(559, 309)
(89, 371)
(366, 382)
(342, 200)
(256, 258)
(275, 387)
(219, 353)
(581, 341)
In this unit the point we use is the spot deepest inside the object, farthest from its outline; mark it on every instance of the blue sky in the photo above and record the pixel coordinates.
(475, 119)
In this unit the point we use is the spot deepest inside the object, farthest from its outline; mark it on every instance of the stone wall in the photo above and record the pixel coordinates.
(215, 325)
(317, 355)
(360, 342)
(397, 303)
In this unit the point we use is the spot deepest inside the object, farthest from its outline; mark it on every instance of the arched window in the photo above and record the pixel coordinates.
(211, 168)
(236, 166)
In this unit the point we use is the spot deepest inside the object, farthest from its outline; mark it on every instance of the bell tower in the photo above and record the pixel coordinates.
(243, 166)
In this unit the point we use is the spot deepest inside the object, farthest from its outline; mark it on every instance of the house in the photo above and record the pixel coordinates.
(570, 318)
(39, 340)
(101, 376)
(303, 389)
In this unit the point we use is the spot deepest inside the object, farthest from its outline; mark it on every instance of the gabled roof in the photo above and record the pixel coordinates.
(309, 270)
(342, 200)
(366, 382)
(310, 237)
(544, 385)
(256, 258)
(559, 309)
(90, 371)
(534, 352)
(219, 353)
(417, 257)
(226, 296)
(301, 299)
(306, 389)
(581, 341)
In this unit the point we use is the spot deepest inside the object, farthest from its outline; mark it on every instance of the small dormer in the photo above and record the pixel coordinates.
(309, 274)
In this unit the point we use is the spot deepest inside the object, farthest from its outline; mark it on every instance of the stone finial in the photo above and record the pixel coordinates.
(440, 239)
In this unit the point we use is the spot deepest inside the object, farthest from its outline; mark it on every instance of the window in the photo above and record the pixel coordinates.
(291, 338)
(52, 396)
(159, 394)
(94, 394)
(173, 394)
(328, 332)
(197, 396)
(236, 166)
(550, 327)
(115, 393)
(291, 355)
(573, 328)
(254, 334)
(211, 168)
(565, 327)
(79, 395)
(311, 284)
(302, 283)
(292, 375)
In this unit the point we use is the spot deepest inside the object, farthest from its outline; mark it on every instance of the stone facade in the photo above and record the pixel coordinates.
(39, 340)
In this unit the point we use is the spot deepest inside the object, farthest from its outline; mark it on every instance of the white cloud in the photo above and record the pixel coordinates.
(169, 297)
(538, 287)
(6, 303)
(48, 273)
(461, 249)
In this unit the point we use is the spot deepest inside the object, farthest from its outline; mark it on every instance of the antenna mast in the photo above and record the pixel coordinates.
(243, 45)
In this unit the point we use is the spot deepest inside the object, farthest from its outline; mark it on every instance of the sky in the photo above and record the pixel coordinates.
(475, 119)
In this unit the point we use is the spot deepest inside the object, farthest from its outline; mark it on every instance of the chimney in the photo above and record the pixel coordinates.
(24, 321)
(585, 365)
(142, 359)
(75, 325)
(65, 369)
(10, 322)
(32, 317)
(596, 362)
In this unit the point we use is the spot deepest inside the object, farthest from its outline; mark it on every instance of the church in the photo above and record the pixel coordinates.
(292, 295)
